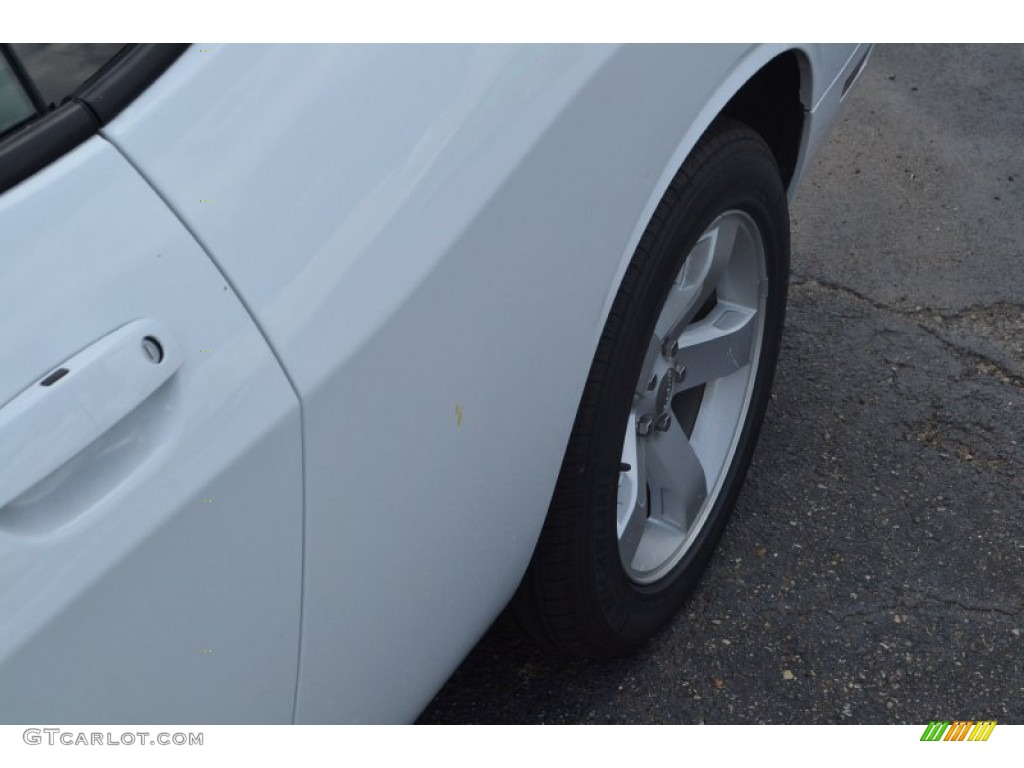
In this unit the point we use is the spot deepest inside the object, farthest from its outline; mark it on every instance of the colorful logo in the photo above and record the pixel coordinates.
(959, 730)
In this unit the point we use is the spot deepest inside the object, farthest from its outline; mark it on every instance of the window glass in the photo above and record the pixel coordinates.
(15, 105)
(57, 69)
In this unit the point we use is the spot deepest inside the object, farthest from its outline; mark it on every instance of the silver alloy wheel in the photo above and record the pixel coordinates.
(692, 397)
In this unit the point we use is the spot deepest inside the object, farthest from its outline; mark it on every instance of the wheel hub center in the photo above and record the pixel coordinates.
(665, 388)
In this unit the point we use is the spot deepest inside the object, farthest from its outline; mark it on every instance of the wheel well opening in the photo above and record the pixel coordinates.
(770, 104)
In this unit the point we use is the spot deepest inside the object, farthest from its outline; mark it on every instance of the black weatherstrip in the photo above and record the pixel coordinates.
(40, 143)
(126, 76)
(98, 101)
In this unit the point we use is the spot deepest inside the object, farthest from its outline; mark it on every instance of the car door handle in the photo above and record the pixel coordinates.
(66, 410)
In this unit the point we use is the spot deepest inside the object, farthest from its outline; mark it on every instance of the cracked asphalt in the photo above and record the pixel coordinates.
(873, 571)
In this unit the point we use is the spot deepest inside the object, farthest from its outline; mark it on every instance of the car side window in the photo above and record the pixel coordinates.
(58, 69)
(16, 105)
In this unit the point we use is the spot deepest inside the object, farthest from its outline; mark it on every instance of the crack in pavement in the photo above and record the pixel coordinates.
(915, 604)
(913, 316)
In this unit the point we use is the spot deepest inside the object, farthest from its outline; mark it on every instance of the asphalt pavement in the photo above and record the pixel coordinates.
(873, 571)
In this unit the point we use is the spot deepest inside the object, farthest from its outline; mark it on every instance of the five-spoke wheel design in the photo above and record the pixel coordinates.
(672, 407)
(692, 397)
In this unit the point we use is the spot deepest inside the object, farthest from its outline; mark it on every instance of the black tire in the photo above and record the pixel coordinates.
(577, 597)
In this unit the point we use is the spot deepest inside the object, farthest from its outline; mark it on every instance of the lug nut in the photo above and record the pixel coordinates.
(663, 423)
(643, 425)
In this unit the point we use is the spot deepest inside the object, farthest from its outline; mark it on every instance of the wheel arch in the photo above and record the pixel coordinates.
(774, 103)
(761, 74)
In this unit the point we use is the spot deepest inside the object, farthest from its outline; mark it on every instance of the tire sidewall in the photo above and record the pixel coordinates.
(745, 178)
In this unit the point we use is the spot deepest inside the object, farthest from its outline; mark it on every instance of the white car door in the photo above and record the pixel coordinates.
(150, 463)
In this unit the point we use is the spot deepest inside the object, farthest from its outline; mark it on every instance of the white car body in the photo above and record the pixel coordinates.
(382, 273)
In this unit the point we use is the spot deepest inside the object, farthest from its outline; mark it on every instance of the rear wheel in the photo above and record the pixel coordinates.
(672, 407)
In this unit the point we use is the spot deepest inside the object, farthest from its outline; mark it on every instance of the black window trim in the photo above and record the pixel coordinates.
(92, 105)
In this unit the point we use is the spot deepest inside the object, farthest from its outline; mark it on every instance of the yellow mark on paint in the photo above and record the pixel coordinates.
(208, 349)
(458, 415)
(206, 650)
(206, 200)
(207, 501)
